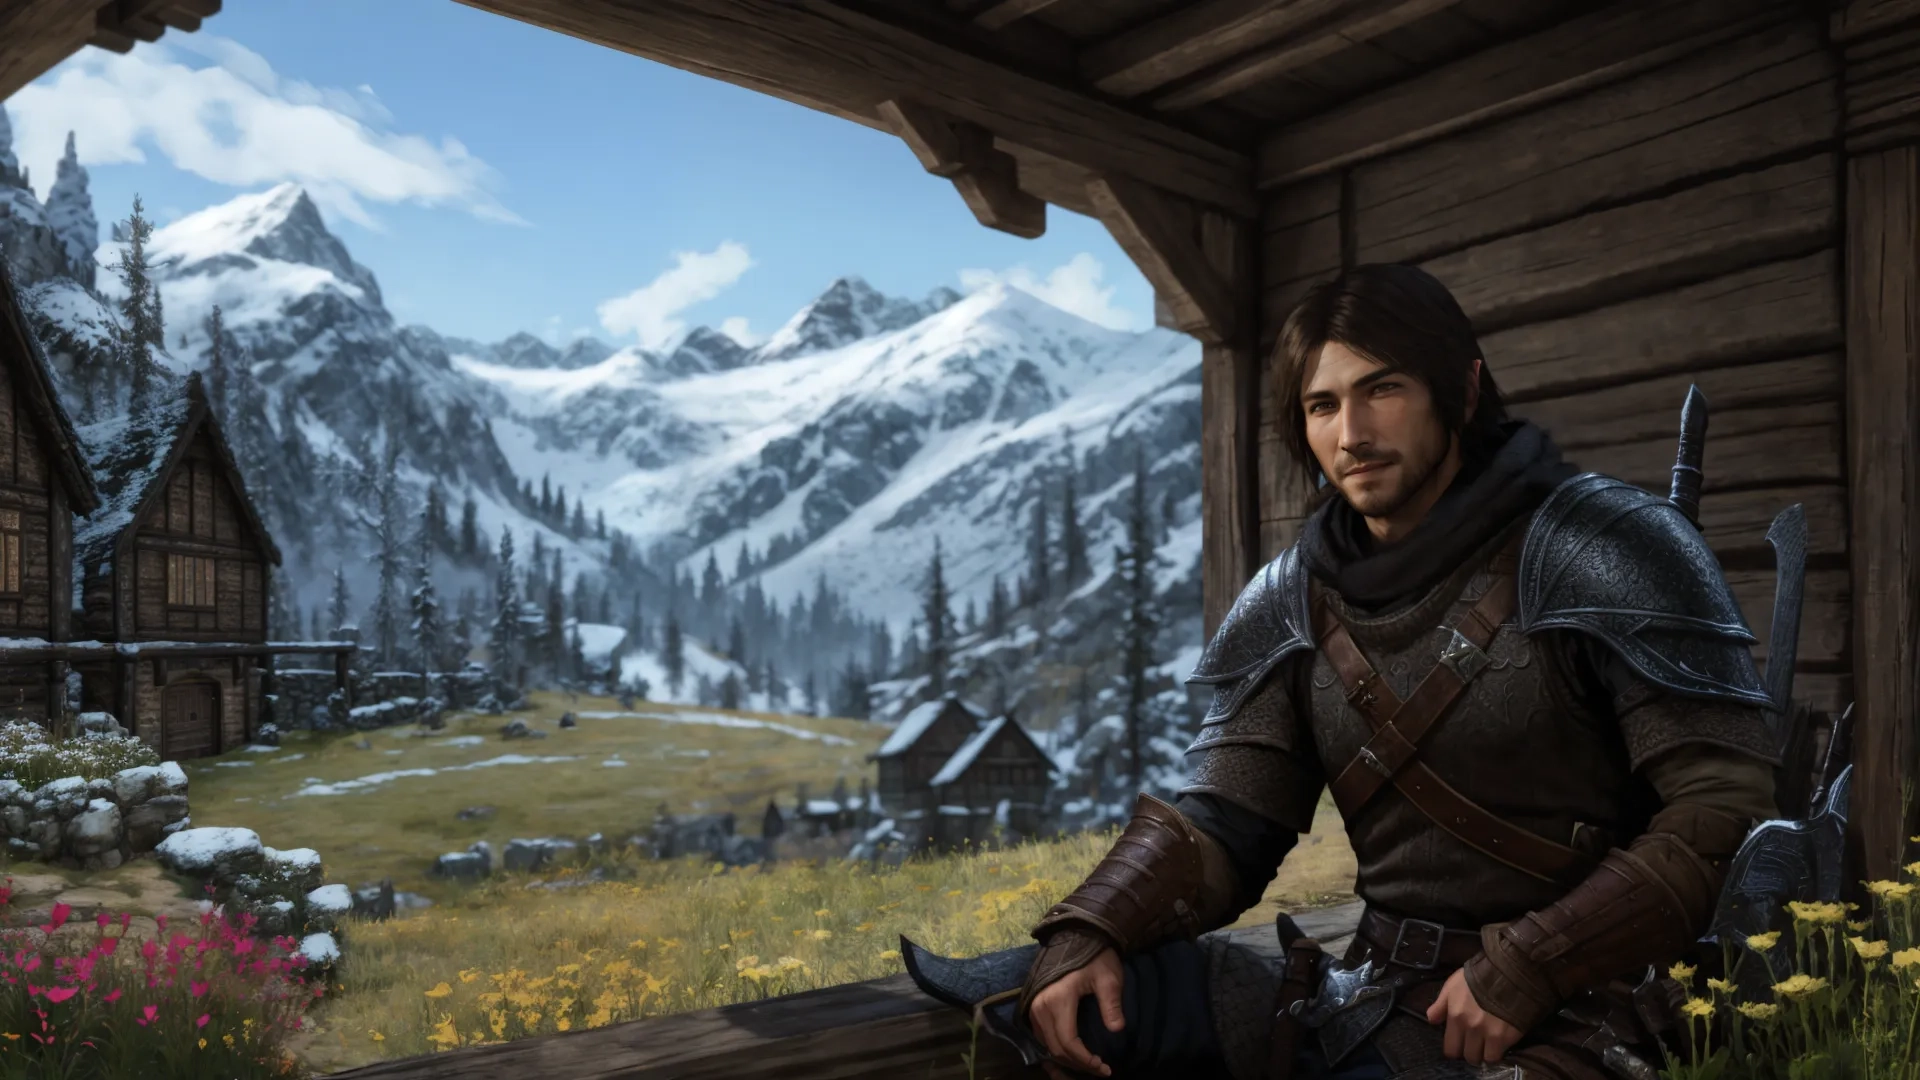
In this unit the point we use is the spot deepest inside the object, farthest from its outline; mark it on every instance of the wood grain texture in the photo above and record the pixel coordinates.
(1882, 88)
(1562, 61)
(1777, 309)
(1861, 18)
(832, 55)
(999, 14)
(1229, 455)
(1650, 408)
(1160, 234)
(1826, 615)
(1763, 97)
(963, 152)
(1192, 37)
(1353, 25)
(1644, 247)
(1300, 244)
(1774, 446)
(1883, 443)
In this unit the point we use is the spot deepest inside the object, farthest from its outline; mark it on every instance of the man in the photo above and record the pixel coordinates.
(1531, 695)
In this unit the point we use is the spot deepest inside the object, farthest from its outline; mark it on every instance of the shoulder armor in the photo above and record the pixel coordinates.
(1610, 560)
(1267, 623)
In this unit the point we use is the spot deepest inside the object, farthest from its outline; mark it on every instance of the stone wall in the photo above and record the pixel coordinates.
(302, 697)
(94, 824)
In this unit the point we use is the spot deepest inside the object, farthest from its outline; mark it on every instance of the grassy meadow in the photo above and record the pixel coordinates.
(387, 810)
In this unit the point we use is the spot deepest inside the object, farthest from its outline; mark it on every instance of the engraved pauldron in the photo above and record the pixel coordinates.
(1269, 621)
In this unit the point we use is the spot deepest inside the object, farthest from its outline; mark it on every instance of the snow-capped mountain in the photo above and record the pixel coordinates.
(840, 449)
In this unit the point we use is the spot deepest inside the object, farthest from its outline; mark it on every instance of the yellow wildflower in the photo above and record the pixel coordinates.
(469, 975)
(1763, 942)
(863, 928)
(724, 947)
(529, 1018)
(821, 913)
(228, 1039)
(923, 888)
(203, 1042)
(439, 990)
(1868, 950)
(1906, 958)
(377, 1037)
(497, 1020)
(890, 954)
(745, 962)
(444, 1035)
(1913, 867)
(1681, 972)
(1857, 926)
(1891, 890)
(1816, 912)
(789, 963)
(1799, 986)
(1758, 1010)
(822, 935)
(1698, 1008)
(956, 892)
(637, 943)
(565, 1023)
(1720, 986)
(567, 969)
(740, 935)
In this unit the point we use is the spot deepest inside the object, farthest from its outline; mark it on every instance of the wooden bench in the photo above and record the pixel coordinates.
(885, 1028)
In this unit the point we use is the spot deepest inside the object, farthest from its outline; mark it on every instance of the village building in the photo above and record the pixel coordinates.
(44, 481)
(949, 775)
(174, 554)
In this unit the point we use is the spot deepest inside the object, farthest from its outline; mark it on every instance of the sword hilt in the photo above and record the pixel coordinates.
(1685, 492)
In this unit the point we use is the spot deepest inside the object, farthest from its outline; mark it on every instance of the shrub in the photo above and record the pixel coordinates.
(216, 1002)
(29, 756)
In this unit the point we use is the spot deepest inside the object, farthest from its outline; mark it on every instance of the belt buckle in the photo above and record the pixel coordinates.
(1400, 939)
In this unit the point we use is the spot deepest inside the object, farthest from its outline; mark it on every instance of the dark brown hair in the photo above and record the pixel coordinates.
(1400, 316)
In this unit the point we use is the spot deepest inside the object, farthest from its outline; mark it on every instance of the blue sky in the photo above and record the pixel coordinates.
(497, 177)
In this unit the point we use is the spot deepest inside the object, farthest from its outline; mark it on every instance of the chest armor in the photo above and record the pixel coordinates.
(1518, 741)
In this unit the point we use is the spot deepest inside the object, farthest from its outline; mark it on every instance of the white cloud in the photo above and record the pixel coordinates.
(735, 327)
(651, 312)
(1073, 286)
(233, 120)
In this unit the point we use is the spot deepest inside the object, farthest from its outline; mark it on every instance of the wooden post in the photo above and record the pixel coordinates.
(1880, 40)
(1200, 262)
(342, 664)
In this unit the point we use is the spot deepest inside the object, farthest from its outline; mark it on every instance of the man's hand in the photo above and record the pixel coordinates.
(1472, 1032)
(1055, 1012)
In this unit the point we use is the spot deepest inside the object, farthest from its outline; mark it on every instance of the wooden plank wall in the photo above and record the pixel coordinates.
(199, 514)
(1677, 225)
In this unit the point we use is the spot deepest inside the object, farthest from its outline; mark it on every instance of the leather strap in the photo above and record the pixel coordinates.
(1285, 1033)
(1416, 943)
(1391, 755)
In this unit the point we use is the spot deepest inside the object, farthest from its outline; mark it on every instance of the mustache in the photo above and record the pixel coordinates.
(1350, 460)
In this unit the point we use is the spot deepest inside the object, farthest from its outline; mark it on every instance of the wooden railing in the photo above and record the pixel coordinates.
(879, 1030)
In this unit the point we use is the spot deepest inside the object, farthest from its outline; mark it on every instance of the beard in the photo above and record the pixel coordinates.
(1415, 470)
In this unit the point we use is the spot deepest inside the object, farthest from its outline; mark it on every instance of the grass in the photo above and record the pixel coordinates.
(395, 829)
(505, 961)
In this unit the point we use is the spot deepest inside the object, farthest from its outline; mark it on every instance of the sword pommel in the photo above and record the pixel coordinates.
(1685, 492)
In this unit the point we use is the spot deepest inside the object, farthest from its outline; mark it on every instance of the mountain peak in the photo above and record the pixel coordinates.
(281, 223)
(849, 309)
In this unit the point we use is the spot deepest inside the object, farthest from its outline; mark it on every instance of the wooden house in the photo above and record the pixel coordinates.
(915, 752)
(996, 781)
(175, 553)
(1626, 196)
(44, 481)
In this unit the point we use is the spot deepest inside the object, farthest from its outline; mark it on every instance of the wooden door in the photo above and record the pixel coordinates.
(190, 720)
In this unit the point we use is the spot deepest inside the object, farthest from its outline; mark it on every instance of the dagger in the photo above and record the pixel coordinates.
(1788, 535)
(1685, 492)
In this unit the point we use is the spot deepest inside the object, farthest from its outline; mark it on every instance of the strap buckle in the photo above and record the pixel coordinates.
(1428, 936)
(1360, 695)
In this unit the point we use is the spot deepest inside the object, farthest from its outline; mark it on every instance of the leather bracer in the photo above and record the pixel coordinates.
(1643, 906)
(1162, 879)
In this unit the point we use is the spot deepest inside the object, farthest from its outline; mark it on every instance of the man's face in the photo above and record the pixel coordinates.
(1373, 430)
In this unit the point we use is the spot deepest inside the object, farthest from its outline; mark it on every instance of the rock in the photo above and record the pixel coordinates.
(100, 723)
(106, 860)
(173, 779)
(320, 949)
(515, 729)
(475, 813)
(45, 834)
(147, 823)
(567, 720)
(482, 849)
(275, 918)
(96, 830)
(268, 735)
(522, 856)
(364, 744)
(374, 901)
(222, 854)
(327, 905)
(12, 794)
(18, 848)
(100, 789)
(298, 867)
(14, 820)
(138, 784)
(462, 866)
(411, 901)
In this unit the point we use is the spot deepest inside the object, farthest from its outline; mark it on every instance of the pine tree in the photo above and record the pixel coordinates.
(342, 601)
(737, 642)
(504, 643)
(776, 690)
(603, 612)
(973, 617)
(741, 564)
(217, 368)
(1166, 515)
(429, 633)
(673, 656)
(1073, 542)
(1141, 619)
(386, 603)
(577, 654)
(856, 699)
(881, 659)
(939, 626)
(142, 328)
(997, 609)
(730, 691)
(1039, 555)
(637, 624)
(811, 695)
(434, 522)
(555, 634)
(710, 582)
(600, 524)
(579, 518)
(546, 499)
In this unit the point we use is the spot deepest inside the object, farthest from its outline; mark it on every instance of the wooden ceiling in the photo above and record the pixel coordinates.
(35, 35)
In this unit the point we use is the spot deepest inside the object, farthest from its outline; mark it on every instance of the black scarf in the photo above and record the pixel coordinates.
(1487, 495)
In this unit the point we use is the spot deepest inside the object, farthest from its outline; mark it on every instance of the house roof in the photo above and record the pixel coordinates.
(969, 751)
(919, 720)
(35, 382)
(131, 457)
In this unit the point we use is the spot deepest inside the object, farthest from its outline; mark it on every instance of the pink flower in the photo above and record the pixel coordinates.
(125, 918)
(202, 1022)
(112, 995)
(32, 964)
(58, 918)
(161, 922)
(102, 920)
(147, 1013)
(198, 989)
(61, 994)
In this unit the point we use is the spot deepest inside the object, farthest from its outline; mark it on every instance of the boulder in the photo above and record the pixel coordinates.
(375, 901)
(138, 784)
(173, 779)
(462, 866)
(516, 728)
(268, 735)
(320, 949)
(298, 867)
(327, 905)
(95, 830)
(474, 813)
(522, 856)
(220, 854)
(99, 723)
(148, 822)
(567, 720)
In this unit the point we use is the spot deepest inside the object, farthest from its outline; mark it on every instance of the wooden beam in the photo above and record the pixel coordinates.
(1882, 85)
(1883, 452)
(1360, 23)
(1002, 12)
(1620, 41)
(987, 178)
(1159, 232)
(1860, 18)
(120, 24)
(848, 62)
(35, 35)
(1193, 37)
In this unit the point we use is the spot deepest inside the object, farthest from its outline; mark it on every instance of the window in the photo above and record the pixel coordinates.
(10, 551)
(189, 581)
